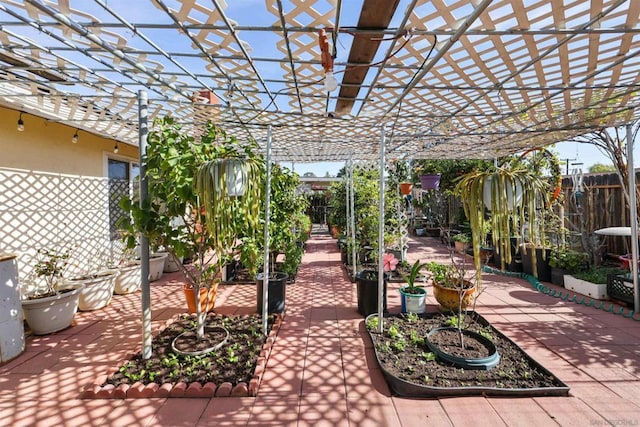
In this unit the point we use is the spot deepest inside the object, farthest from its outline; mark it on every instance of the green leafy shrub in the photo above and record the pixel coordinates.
(570, 260)
(598, 274)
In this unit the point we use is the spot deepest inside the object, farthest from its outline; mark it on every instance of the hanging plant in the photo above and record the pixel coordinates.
(509, 212)
(543, 159)
(223, 188)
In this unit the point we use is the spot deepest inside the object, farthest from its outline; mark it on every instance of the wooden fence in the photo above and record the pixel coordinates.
(601, 204)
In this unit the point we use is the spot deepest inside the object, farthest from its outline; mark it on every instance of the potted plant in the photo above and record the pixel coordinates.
(591, 282)
(566, 261)
(455, 343)
(430, 181)
(450, 286)
(157, 261)
(53, 307)
(129, 273)
(194, 208)
(498, 189)
(461, 242)
(413, 298)
(535, 261)
(367, 291)
(98, 285)
(406, 188)
(285, 232)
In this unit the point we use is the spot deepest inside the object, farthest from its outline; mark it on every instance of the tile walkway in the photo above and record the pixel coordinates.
(322, 370)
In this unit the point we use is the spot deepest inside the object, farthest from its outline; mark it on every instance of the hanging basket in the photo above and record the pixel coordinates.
(233, 170)
(405, 188)
(489, 191)
(430, 182)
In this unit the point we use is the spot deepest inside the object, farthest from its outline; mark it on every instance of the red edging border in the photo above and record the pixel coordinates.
(153, 390)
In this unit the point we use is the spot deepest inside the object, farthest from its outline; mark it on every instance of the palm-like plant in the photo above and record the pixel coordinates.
(413, 275)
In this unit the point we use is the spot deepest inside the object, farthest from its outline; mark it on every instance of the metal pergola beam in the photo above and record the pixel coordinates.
(346, 29)
(555, 70)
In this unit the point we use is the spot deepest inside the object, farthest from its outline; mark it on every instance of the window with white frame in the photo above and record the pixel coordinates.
(123, 178)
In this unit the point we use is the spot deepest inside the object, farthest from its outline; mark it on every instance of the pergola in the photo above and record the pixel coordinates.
(413, 78)
(448, 78)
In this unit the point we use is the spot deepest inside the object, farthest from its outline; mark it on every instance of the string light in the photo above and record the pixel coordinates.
(20, 123)
(115, 148)
(330, 82)
(74, 139)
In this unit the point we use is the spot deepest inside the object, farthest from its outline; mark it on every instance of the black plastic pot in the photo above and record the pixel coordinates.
(367, 285)
(277, 292)
(557, 276)
(542, 263)
(515, 265)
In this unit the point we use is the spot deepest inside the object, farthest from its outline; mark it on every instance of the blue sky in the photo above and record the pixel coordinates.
(264, 44)
(585, 153)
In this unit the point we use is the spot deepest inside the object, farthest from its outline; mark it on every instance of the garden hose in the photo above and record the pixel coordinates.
(569, 297)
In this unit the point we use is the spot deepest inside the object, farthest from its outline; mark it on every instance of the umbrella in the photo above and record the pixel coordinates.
(614, 231)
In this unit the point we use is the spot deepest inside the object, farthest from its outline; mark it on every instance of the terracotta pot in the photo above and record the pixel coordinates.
(448, 298)
(207, 299)
(335, 230)
(405, 188)
(461, 247)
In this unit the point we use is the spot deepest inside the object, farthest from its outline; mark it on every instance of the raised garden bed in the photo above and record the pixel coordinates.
(412, 370)
(235, 369)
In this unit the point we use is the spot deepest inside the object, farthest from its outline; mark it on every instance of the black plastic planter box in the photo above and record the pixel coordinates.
(405, 388)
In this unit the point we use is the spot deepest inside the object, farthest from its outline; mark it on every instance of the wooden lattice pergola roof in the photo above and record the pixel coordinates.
(448, 78)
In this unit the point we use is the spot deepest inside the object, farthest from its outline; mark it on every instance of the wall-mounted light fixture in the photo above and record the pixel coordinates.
(115, 148)
(74, 139)
(330, 82)
(20, 123)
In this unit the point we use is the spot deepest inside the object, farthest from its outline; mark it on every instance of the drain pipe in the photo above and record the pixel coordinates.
(381, 234)
(144, 240)
(633, 216)
(352, 219)
(267, 213)
(347, 188)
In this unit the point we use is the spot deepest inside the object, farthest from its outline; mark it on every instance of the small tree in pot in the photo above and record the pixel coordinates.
(50, 265)
(193, 207)
(53, 307)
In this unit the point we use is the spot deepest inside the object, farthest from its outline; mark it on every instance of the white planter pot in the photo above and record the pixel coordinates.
(128, 280)
(412, 303)
(593, 290)
(172, 265)
(97, 291)
(51, 314)
(234, 173)
(512, 203)
(156, 266)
